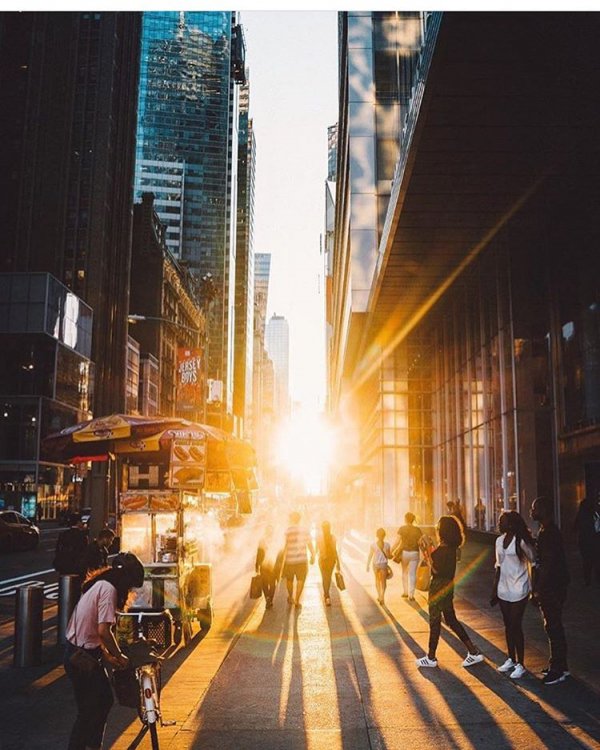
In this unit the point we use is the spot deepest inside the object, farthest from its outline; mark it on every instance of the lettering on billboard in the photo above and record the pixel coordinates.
(189, 379)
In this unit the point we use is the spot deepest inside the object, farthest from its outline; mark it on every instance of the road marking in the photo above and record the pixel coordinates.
(21, 578)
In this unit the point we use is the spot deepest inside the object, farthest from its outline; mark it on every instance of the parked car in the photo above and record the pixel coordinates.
(17, 532)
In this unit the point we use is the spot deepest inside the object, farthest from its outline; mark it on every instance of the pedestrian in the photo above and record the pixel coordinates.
(96, 552)
(406, 550)
(380, 553)
(515, 552)
(441, 593)
(479, 512)
(90, 630)
(550, 582)
(587, 526)
(71, 545)
(266, 565)
(328, 558)
(297, 544)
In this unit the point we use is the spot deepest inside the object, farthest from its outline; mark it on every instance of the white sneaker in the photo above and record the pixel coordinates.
(518, 672)
(507, 666)
(425, 661)
(472, 659)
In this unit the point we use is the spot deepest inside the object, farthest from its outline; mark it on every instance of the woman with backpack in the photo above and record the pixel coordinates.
(90, 639)
(328, 558)
(380, 554)
(515, 552)
(441, 593)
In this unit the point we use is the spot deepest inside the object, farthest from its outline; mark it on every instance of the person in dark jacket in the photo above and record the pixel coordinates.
(96, 553)
(550, 584)
(588, 538)
(71, 545)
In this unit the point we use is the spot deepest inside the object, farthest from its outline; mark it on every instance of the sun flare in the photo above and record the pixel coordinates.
(305, 446)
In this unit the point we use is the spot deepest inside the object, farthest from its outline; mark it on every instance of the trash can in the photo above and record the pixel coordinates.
(68, 594)
(29, 615)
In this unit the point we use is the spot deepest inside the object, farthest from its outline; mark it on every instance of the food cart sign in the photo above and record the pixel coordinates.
(135, 501)
(188, 463)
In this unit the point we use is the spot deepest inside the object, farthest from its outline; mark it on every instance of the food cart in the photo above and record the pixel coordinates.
(176, 477)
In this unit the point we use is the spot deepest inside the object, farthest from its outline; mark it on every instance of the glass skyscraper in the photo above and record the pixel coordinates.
(186, 152)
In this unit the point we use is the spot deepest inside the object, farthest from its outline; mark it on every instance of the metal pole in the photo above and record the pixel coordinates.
(28, 626)
(68, 594)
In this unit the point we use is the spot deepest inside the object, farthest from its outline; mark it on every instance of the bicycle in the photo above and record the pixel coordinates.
(139, 686)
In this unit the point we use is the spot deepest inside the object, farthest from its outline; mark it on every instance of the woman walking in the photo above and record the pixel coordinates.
(90, 631)
(380, 554)
(328, 558)
(515, 551)
(441, 593)
(408, 547)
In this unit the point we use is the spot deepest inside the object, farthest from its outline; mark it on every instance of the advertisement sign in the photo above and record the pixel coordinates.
(188, 463)
(189, 379)
(132, 501)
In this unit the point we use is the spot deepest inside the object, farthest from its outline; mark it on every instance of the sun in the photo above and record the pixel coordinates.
(305, 446)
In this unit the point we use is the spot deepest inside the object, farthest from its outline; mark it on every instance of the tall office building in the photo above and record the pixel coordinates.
(186, 154)
(68, 90)
(262, 382)
(244, 268)
(277, 341)
(465, 302)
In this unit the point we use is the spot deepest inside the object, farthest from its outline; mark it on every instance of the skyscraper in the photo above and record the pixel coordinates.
(278, 347)
(186, 153)
(244, 282)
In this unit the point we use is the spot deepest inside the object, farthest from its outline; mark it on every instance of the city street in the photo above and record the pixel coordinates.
(342, 678)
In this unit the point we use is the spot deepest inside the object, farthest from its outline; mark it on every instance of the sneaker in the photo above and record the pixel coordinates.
(518, 672)
(411, 598)
(472, 659)
(327, 601)
(405, 596)
(298, 605)
(553, 677)
(545, 671)
(290, 600)
(425, 661)
(507, 666)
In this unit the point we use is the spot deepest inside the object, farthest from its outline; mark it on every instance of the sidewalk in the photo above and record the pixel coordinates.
(343, 678)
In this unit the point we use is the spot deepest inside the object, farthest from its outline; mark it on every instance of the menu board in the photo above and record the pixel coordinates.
(134, 500)
(188, 462)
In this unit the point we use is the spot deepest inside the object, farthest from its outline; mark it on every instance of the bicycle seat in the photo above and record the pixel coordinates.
(143, 652)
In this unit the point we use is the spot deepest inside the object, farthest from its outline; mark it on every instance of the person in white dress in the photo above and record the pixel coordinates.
(515, 553)
(380, 554)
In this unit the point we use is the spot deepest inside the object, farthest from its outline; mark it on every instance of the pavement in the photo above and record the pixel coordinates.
(342, 677)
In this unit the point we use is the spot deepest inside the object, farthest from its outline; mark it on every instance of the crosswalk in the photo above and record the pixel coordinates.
(50, 589)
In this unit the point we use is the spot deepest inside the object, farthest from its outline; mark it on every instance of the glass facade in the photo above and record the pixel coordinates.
(186, 152)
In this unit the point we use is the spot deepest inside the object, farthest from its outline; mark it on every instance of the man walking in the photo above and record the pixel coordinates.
(297, 544)
(550, 588)
(96, 553)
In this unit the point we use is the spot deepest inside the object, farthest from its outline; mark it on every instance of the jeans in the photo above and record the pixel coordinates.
(512, 614)
(410, 560)
(551, 605)
(94, 698)
(267, 575)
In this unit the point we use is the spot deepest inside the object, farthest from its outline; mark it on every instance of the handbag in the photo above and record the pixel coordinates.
(423, 576)
(397, 558)
(127, 688)
(389, 573)
(339, 581)
(256, 587)
(81, 659)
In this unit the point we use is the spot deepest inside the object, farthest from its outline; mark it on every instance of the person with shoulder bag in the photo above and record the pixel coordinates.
(515, 553)
(380, 554)
(90, 639)
(328, 558)
(406, 552)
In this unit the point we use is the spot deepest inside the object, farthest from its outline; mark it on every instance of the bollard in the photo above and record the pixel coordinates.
(68, 594)
(29, 614)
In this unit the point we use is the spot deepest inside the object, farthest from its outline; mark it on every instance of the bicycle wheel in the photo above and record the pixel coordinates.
(153, 735)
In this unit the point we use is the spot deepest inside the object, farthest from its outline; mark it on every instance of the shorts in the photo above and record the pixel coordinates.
(298, 570)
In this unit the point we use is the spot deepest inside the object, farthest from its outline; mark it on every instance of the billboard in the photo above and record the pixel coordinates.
(189, 379)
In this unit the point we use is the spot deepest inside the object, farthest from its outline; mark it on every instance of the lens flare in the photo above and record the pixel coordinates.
(305, 448)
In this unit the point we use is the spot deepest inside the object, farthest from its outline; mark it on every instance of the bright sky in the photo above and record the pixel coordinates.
(292, 58)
